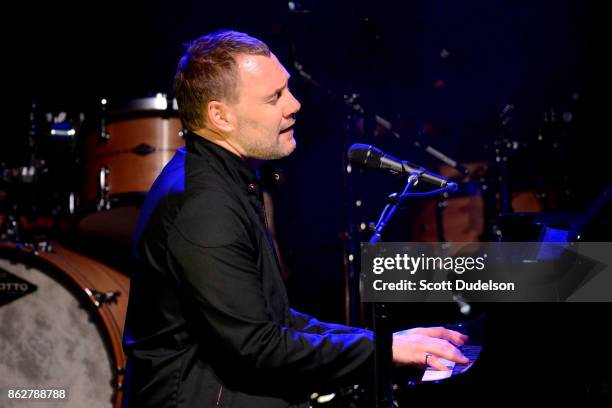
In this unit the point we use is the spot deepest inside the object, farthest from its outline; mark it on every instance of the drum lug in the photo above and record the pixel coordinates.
(101, 298)
(42, 246)
(104, 135)
(118, 380)
(9, 229)
(73, 202)
(103, 189)
(118, 385)
(36, 247)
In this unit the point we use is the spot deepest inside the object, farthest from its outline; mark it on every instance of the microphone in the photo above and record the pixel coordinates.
(369, 157)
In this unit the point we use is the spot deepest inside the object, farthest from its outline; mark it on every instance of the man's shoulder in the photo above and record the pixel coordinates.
(210, 217)
(210, 200)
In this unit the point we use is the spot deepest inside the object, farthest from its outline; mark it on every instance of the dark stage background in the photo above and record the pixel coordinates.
(464, 77)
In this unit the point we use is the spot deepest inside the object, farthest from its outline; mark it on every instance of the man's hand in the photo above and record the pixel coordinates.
(422, 346)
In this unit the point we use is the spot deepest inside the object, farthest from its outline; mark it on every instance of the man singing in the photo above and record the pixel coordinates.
(209, 323)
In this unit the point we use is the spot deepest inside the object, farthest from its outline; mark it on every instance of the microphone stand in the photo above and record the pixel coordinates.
(391, 208)
(381, 316)
(381, 311)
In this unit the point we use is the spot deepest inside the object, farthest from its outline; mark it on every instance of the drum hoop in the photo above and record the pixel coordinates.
(116, 201)
(65, 273)
(157, 103)
(136, 108)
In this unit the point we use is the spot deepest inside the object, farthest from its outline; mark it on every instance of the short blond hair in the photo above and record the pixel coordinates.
(208, 71)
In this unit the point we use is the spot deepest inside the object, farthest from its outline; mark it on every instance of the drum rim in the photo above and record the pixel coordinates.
(152, 106)
(160, 102)
(119, 200)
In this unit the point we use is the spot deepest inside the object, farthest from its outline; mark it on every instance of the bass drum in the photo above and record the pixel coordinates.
(122, 156)
(461, 217)
(458, 218)
(62, 317)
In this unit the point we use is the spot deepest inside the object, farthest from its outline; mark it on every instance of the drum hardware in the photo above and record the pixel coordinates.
(40, 190)
(73, 201)
(103, 189)
(104, 135)
(62, 132)
(117, 381)
(61, 127)
(101, 298)
(35, 248)
(497, 196)
(26, 232)
(536, 162)
(22, 174)
(440, 207)
(9, 230)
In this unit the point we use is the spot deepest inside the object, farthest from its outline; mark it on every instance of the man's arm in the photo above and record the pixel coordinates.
(218, 272)
(309, 324)
(217, 266)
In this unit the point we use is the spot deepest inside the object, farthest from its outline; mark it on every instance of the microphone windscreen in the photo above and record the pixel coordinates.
(365, 155)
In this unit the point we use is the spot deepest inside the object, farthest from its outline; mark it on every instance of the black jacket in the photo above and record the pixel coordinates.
(208, 318)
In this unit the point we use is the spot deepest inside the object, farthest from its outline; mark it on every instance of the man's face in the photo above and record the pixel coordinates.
(265, 111)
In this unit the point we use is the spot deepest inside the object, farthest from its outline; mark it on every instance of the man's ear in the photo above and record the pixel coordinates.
(220, 116)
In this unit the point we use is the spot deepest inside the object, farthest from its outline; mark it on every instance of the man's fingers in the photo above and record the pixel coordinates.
(433, 362)
(410, 346)
(455, 337)
(451, 335)
(444, 349)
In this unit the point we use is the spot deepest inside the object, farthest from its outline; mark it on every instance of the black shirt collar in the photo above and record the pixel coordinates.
(237, 168)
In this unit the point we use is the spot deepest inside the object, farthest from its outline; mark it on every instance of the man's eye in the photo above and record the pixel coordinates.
(275, 98)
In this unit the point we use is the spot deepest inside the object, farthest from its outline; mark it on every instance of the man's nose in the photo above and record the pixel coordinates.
(293, 107)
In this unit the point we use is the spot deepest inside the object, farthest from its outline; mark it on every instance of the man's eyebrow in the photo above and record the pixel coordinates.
(277, 91)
